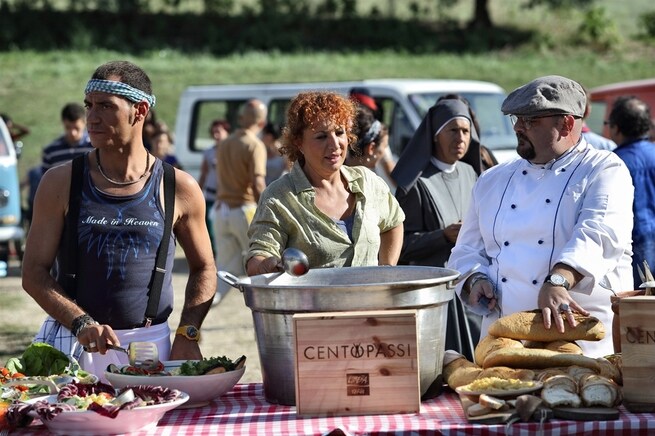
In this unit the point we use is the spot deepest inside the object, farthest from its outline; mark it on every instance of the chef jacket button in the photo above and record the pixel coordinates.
(563, 170)
(534, 282)
(503, 279)
(548, 200)
(540, 241)
(513, 206)
(506, 243)
(525, 172)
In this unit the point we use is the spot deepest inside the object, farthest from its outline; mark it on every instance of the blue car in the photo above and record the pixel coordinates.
(11, 228)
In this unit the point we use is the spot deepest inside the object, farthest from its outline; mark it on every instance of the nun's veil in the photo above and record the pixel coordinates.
(416, 155)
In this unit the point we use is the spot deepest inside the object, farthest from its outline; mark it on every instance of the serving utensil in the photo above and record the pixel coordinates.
(140, 354)
(647, 278)
(295, 262)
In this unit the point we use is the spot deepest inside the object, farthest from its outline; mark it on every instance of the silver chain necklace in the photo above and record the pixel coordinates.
(116, 182)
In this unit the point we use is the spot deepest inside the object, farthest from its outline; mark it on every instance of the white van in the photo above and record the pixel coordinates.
(403, 103)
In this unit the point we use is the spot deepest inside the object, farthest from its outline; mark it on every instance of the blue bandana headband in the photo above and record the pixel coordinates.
(119, 88)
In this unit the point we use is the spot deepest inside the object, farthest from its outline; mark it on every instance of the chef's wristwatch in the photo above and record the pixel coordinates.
(558, 280)
(188, 331)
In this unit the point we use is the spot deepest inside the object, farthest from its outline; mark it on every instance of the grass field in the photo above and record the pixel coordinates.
(34, 85)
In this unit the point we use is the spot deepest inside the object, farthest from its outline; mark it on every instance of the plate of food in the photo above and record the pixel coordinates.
(98, 408)
(204, 380)
(499, 387)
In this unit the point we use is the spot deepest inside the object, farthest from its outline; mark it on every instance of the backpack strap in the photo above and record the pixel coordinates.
(159, 272)
(69, 238)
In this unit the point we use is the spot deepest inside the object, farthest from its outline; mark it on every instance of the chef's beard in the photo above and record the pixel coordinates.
(525, 149)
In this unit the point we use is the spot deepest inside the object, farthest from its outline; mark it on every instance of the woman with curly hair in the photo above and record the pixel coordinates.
(338, 215)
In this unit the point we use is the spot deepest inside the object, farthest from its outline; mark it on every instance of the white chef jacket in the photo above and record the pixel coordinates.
(525, 218)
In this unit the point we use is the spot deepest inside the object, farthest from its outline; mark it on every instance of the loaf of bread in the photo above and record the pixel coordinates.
(529, 325)
(533, 358)
(490, 343)
(559, 346)
(460, 371)
(596, 390)
(560, 391)
(610, 367)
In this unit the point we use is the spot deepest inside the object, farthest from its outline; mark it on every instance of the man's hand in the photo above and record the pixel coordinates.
(95, 337)
(481, 293)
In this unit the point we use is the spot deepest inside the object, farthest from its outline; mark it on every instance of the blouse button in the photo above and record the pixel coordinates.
(534, 282)
(503, 279)
(506, 243)
(525, 172)
(540, 241)
(513, 206)
(548, 200)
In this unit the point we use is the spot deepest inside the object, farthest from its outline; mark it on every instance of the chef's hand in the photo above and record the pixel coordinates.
(556, 304)
(481, 294)
(262, 265)
(452, 231)
(95, 337)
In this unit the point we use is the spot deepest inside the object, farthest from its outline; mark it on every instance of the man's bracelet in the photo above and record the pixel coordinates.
(80, 322)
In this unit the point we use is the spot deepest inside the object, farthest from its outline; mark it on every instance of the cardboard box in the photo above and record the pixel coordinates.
(354, 363)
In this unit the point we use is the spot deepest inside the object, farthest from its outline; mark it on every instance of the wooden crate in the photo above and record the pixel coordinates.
(638, 352)
(355, 363)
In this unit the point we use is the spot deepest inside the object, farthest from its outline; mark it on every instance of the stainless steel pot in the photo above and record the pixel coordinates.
(274, 298)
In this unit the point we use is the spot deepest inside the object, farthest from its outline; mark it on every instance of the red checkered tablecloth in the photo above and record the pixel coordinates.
(244, 411)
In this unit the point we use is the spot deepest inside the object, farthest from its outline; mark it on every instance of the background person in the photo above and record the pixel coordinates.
(16, 131)
(241, 170)
(276, 164)
(629, 125)
(435, 176)
(120, 226)
(219, 129)
(161, 146)
(74, 142)
(337, 215)
(372, 140)
(551, 230)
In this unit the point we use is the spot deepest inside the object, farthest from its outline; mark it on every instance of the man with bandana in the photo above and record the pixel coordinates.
(120, 227)
(551, 231)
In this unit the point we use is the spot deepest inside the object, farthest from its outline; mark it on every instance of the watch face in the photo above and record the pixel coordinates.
(557, 279)
(192, 332)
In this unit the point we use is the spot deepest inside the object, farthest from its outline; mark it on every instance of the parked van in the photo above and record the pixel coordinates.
(11, 228)
(603, 97)
(403, 103)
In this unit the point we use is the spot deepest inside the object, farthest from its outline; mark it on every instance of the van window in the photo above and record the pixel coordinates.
(277, 111)
(4, 150)
(204, 112)
(496, 129)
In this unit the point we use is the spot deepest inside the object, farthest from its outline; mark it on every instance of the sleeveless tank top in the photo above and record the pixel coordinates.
(118, 238)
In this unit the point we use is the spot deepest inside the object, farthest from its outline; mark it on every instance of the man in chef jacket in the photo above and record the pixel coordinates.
(551, 230)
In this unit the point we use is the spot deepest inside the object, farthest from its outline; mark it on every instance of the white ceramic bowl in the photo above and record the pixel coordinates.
(201, 388)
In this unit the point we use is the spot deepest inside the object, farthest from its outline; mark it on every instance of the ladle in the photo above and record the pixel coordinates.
(295, 262)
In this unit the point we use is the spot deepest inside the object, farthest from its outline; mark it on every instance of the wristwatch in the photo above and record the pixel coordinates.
(558, 280)
(188, 331)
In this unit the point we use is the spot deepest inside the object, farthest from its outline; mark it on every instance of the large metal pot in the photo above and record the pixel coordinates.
(274, 298)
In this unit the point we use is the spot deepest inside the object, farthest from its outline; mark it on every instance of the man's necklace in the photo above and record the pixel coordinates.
(116, 182)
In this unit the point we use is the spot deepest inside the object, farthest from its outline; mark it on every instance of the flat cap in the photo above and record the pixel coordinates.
(546, 95)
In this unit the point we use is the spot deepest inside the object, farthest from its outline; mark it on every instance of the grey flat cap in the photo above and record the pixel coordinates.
(546, 95)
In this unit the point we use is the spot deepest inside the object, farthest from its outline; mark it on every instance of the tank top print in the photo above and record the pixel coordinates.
(118, 238)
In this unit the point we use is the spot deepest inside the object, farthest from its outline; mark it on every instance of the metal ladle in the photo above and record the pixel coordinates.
(295, 262)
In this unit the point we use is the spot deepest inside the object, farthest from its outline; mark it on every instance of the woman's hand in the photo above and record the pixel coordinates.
(262, 265)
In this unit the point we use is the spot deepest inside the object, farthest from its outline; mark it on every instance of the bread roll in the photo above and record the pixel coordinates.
(529, 325)
(491, 343)
(611, 368)
(547, 373)
(536, 358)
(577, 372)
(460, 372)
(597, 390)
(561, 390)
(491, 402)
(560, 346)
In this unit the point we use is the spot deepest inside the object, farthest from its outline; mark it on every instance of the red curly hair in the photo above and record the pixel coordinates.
(307, 110)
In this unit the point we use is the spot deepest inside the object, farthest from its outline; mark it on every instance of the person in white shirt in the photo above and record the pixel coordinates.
(552, 230)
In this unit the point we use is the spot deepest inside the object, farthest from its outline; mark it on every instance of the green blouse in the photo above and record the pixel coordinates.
(287, 217)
